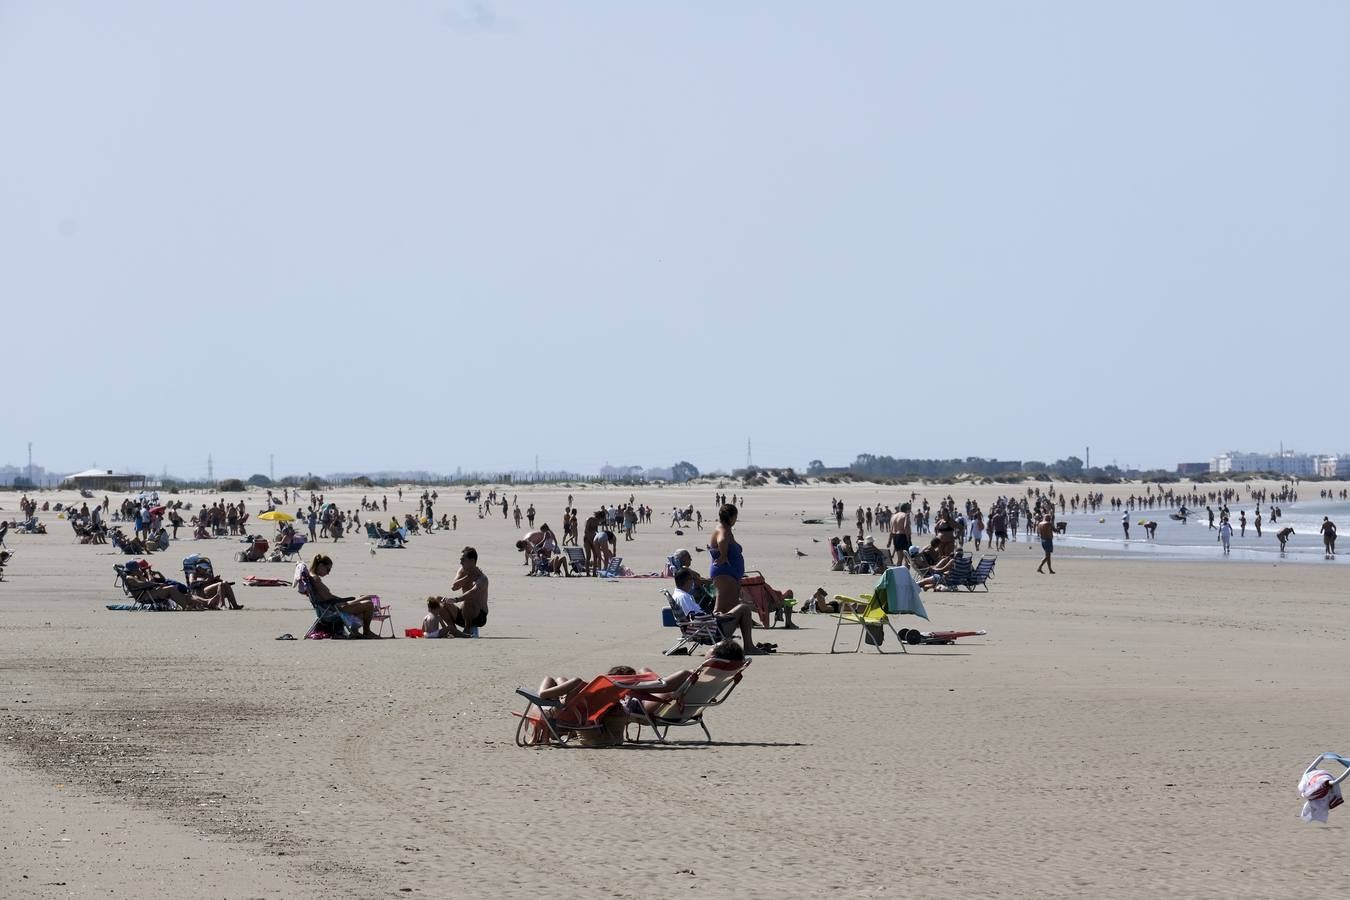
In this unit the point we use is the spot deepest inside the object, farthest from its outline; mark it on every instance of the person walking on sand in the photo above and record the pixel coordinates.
(1328, 537)
(1242, 523)
(1225, 534)
(1125, 523)
(1045, 529)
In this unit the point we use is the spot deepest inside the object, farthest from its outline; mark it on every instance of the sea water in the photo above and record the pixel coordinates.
(1196, 540)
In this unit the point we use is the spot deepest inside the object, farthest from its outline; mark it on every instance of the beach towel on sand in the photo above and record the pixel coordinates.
(256, 581)
(132, 607)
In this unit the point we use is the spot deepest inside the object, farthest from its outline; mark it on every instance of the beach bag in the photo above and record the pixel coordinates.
(874, 634)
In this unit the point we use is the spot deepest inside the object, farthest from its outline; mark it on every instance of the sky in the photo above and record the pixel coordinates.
(436, 234)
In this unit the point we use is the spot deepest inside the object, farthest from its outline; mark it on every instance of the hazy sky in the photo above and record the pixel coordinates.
(437, 234)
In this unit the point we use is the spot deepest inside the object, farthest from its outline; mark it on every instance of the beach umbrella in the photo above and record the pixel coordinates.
(156, 510)
(276, 515)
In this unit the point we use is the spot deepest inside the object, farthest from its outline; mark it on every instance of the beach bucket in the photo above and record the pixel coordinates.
(413, 632)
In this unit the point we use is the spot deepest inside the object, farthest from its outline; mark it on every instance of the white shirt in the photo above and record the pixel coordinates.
(687, 602)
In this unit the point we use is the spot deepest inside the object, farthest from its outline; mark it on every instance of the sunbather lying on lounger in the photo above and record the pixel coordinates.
(558, 687)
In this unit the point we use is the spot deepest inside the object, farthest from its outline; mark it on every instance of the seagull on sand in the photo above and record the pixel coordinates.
(799, 553)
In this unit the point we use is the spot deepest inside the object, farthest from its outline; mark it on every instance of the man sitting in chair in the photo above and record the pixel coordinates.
(470, 609)
(741, 616)
(702, 590)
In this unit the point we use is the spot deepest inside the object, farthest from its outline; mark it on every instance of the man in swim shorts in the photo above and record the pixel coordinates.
(900, 533)
(470, 609)
(1046, 530)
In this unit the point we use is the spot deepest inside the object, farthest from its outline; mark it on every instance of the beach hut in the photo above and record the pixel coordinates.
(106, 479)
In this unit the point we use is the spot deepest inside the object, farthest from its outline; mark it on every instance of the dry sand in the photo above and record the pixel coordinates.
(1128, 728)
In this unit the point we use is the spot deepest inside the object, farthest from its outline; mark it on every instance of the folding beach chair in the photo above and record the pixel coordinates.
(895, 593)
(614, 569)
(983, 572)
(195, 563)
(288, 550)
(768, 603)
(383, 616)
(585, 712)
(710, 686)
(958, 575)
(694, 630)
(576, 558)
(1320, 789)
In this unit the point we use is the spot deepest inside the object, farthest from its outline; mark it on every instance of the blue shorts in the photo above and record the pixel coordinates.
(1048, 545)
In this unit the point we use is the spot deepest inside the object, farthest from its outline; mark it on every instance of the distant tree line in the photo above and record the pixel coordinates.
(868, 465)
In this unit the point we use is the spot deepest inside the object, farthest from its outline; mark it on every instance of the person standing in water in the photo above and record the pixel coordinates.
(1225, 534)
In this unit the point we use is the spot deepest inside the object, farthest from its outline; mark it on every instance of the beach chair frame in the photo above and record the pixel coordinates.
(709, 688)
(873, 613)
(982, 573)
(555, 723)
(694, 630)
(576, 560)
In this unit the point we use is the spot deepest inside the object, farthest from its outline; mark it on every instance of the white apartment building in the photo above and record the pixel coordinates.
(1287, 463)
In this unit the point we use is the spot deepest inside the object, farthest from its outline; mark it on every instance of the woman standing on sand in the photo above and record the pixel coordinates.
(728, 560)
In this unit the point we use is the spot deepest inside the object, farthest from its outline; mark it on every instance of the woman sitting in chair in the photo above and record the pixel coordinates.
(362, 607)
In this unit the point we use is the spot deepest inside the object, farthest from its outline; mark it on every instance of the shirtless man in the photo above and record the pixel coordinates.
(1151, 529)
(900, 533)
(593, 523)
(1045, 529)
(470, 609)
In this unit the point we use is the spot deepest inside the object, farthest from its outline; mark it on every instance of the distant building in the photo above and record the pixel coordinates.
(1286, 463)
(1334, 466)
(103, 479)
(38, 475)
(1194, 468)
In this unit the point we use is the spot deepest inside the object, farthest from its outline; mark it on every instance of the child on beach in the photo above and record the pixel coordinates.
(432, 623)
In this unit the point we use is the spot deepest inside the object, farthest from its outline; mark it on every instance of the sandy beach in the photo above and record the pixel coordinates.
(1133, 726)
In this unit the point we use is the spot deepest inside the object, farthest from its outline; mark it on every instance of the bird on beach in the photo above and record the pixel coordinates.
(799, 553)
(815, 540)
